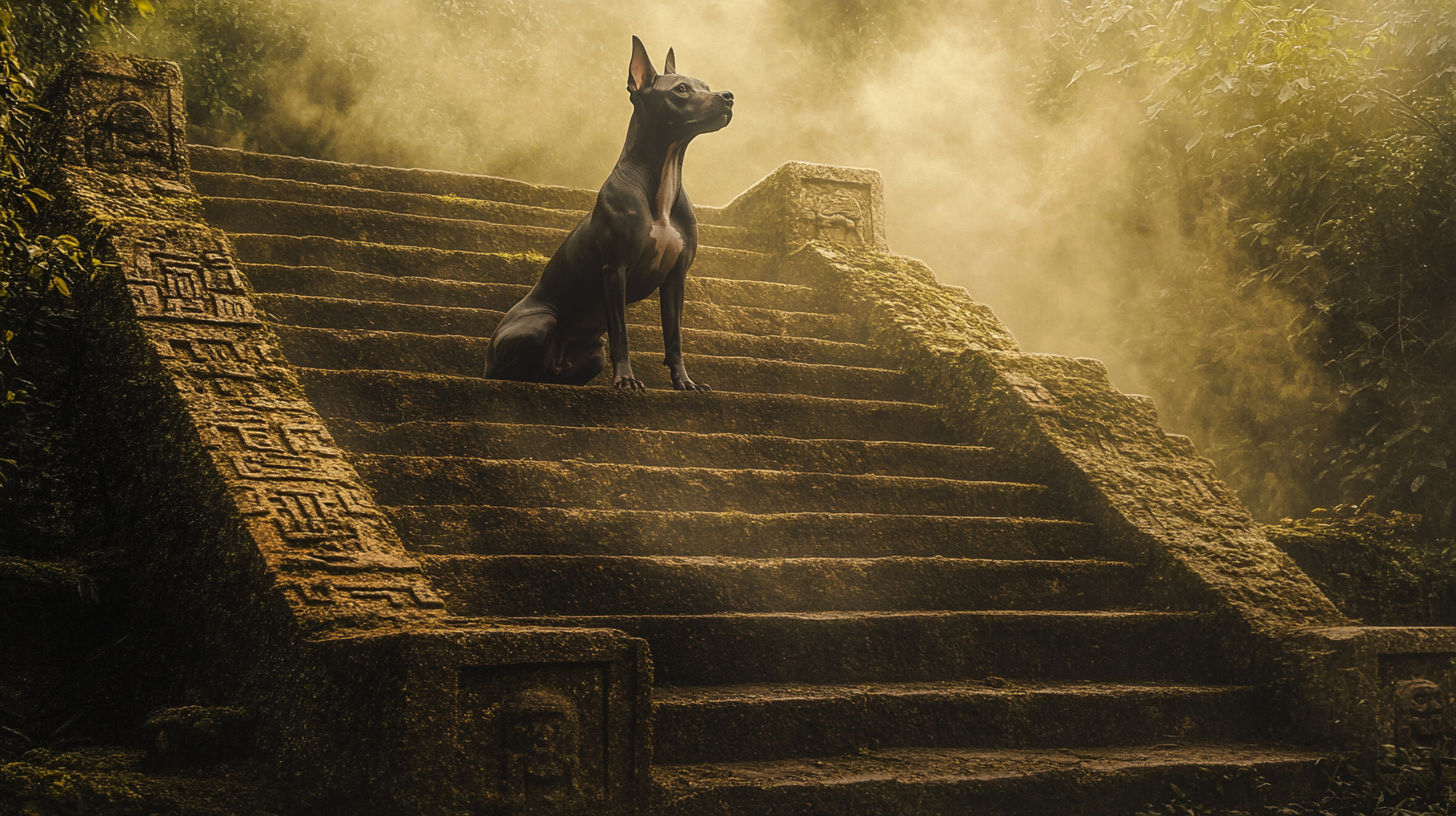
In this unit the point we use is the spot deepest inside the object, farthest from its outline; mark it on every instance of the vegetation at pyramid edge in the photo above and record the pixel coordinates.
(1306, 154)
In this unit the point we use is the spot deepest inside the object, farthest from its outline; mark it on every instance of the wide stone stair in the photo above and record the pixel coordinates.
(851, 608)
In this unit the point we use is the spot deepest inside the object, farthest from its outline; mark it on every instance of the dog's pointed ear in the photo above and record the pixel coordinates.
(640, 74)
(670, 67)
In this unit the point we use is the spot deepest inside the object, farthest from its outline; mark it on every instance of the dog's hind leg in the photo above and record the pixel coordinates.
(581, 360)
(523, 348)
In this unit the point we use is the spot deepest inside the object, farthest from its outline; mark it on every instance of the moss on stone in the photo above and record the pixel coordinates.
(1378, 568)
(110, 782)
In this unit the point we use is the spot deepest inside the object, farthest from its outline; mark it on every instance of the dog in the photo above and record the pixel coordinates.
(640, 238)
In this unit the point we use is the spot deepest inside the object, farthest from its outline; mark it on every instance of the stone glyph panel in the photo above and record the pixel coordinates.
(124, 116)
(801, 202)
(186, 274)
(311, 517)
(539, 737)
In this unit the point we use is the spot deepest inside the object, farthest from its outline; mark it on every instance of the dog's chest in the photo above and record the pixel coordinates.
(665, 244)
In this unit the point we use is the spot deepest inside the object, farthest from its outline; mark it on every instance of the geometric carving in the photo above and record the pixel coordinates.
(263, 449)
(395, 593)
(1420, 718)
(840, 211)
(333, 523)
(190, 280)
(536, 732)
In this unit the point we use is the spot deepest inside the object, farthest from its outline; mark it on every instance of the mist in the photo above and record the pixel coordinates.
(1039, 209)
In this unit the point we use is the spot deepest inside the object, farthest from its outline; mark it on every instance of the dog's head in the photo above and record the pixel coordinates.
(682, 106)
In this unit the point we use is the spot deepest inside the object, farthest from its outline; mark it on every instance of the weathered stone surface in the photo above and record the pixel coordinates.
(833, 559)
(801, 202)
(1080, 782)
(1361, 687)
(268, 577)
(792, 720)
(191, 736)
(1157, 500)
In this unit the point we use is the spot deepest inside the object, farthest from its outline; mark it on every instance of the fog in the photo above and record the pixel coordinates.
(1037, 208)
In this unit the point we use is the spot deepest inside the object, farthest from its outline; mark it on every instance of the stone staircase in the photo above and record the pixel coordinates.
(850, 607)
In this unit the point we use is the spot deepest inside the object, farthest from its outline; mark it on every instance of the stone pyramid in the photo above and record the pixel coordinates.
(891, 565)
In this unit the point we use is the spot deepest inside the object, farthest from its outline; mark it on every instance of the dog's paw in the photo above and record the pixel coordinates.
(689, 385)
(629, 384)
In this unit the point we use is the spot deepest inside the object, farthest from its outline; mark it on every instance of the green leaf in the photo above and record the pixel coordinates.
(1418, 483)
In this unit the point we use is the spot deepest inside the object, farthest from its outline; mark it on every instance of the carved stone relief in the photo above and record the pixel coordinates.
(539, 734)
(402, 592)
(128, 126)
(1420, 716)
(189, 276)
(839, 211)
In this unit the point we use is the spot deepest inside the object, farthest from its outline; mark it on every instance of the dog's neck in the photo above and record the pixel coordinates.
(655, 164)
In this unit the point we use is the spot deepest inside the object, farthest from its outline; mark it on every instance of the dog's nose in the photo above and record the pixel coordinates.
(727, 97)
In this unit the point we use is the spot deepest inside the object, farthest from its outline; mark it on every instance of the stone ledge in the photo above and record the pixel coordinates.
(1362, 687)
(1157, 502)
(801, 202)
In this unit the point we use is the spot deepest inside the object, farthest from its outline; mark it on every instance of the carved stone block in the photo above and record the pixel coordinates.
(801, 202)
(536, 736)
(185, 274)
(408, 592)
(124, 115)
(1417, 691)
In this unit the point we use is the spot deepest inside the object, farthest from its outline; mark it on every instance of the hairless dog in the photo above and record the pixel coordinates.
(640, 238)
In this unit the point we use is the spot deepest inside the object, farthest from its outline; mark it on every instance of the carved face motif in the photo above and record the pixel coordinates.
(542, 737)
(1420, 718)
(127, 136)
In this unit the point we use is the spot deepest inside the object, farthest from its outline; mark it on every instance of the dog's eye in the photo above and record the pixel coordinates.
(682, 88)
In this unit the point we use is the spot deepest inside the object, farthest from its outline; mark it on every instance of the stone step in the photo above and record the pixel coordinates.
(243, 215)
(396, 179)
(496, 266)
(877, 647)
(457, 327)
(248, 215)
(465, 356)
(487, 440)
(388, 396)
(350, 313)
(488, 530)
(687, 585)
(604, 486)
(320, 281)
(236, 186)
(1109, 781)
(787, 720)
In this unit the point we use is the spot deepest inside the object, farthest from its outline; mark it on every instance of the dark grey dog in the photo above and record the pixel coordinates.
(640, 238)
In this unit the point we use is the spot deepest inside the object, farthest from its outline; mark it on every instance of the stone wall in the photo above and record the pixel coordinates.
(268, 578)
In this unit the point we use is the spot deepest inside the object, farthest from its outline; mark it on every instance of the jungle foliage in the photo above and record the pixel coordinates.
(1306, 152)
(39, 266)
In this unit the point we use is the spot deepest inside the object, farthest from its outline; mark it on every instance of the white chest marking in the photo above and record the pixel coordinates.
(668, 244)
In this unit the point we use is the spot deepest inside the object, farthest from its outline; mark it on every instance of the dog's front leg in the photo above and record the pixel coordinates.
(614, 277)
(671, 295)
